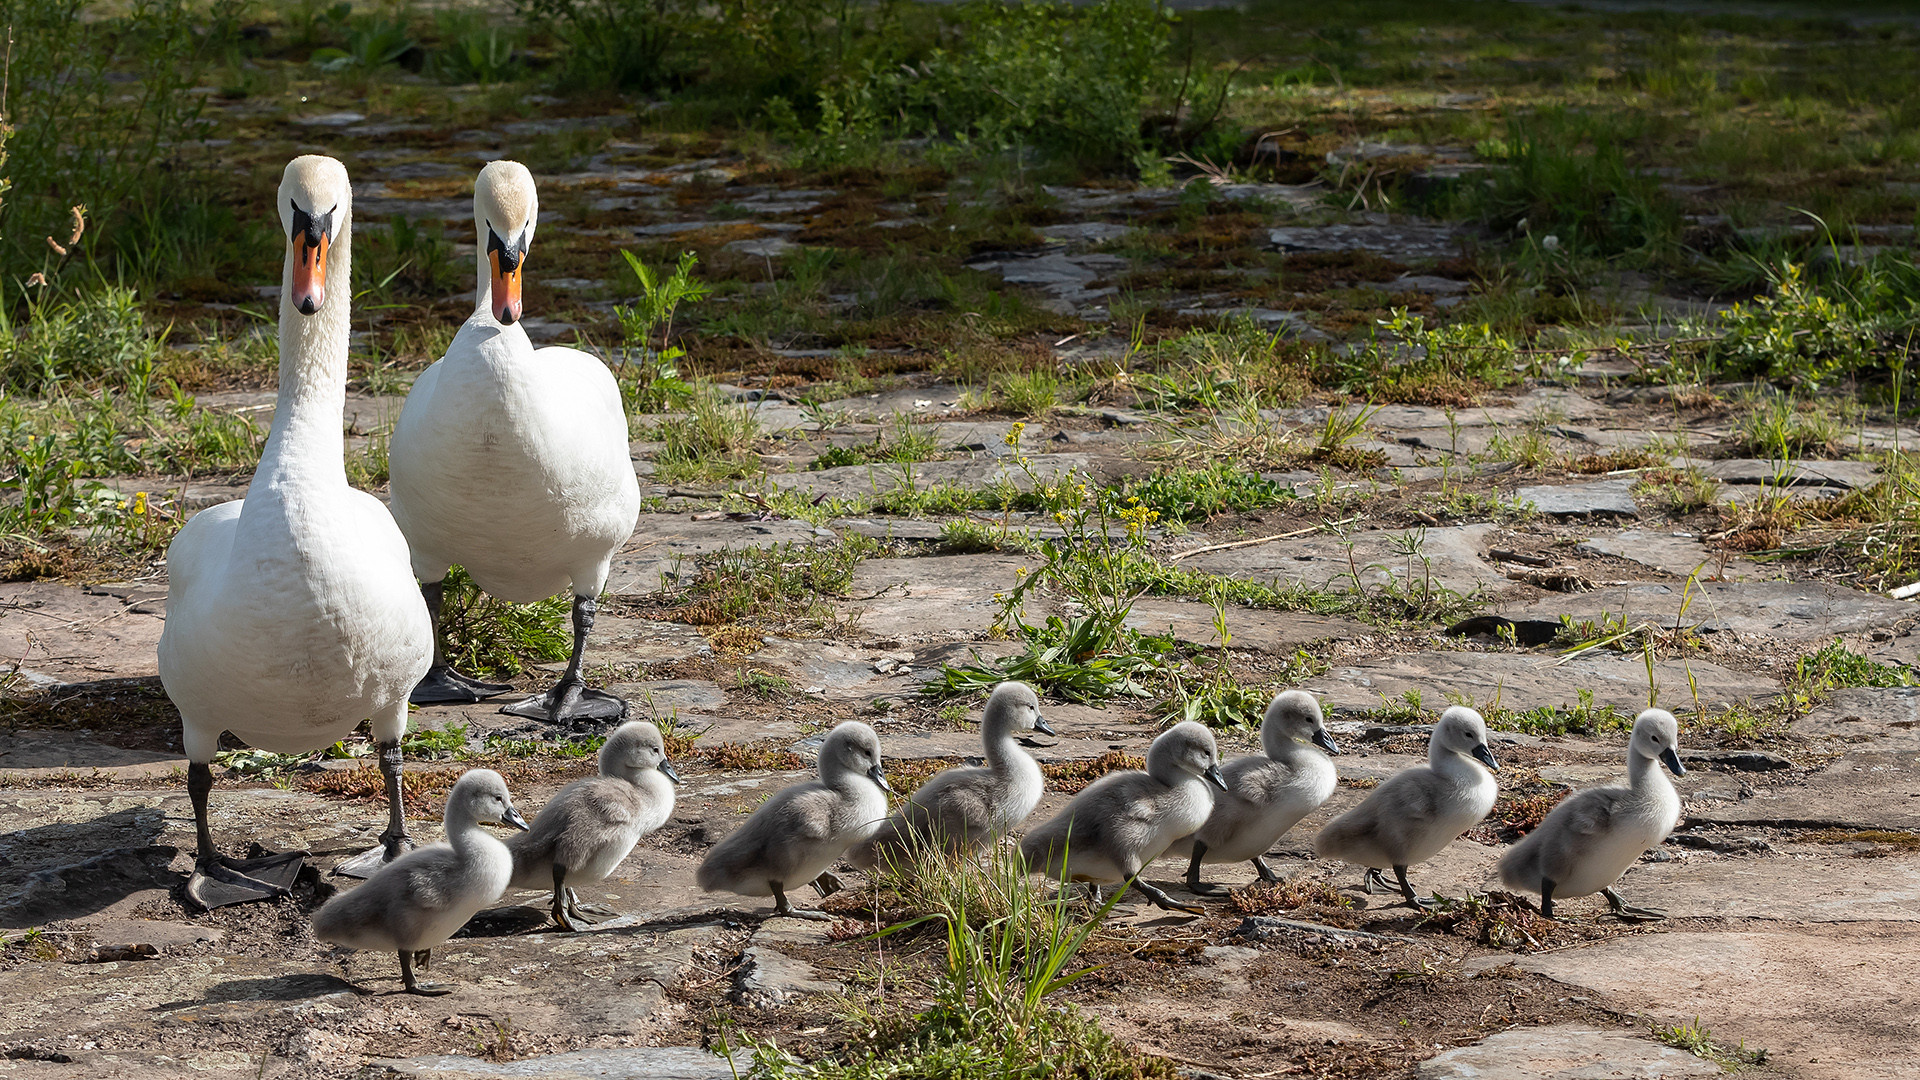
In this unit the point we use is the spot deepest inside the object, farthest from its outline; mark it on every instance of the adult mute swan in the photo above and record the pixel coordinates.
(291, 614)
(512, 462)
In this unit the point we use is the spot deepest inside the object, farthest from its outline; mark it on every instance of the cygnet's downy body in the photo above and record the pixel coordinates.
(964, 809)
(1108, 833)
(420, 899)
(1593, 836)
(1418, 811)
(798, 833)
(589, 828)
(1266, 794)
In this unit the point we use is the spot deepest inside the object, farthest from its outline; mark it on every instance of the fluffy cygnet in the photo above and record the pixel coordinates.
(585, 832)
(1591, 838)
(966, 808)
(420, 899)
(798, 833)
(1126, 819)
(1418, 811)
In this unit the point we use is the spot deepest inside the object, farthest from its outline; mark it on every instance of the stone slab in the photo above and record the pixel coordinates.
(1277, 633)
(1796, 473)
(1862, 790)
(1452, 558)
(1408, 241)
(1520, 681)
(1679, 554)
(68, 635)
(1800, 611)
(1874, 717)
(984, 471)
(937, 598)
(1602, 498)
(622, 1063)
(1565, 1052)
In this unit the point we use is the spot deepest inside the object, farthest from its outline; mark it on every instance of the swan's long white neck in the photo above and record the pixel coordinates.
(305, 441)
(482, 271)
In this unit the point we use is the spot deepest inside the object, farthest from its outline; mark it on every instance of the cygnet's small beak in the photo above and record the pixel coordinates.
(667, 767)
(508, 262)
(1325, 741)
(1672, 761)
(1213, 777)
(1485, 757)
(512, 817)
(879, 777)
(1040, 725)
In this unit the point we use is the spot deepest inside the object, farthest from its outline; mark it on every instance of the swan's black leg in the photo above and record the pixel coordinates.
(443, 685)
(571, 700)
(218, 881)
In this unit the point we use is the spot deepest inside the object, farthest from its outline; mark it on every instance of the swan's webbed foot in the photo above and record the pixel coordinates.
(1164, 902)
(1266, 872)
(570, 702)
(414, 986)
(445, 686)
(218, 881)
(1627, 911)
(781, 907)
(364, 865)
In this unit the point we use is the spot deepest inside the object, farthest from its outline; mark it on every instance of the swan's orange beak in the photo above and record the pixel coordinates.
(507, 265)
(310, 268)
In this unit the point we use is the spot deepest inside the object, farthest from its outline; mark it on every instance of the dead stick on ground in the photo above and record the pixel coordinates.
(1263, 539)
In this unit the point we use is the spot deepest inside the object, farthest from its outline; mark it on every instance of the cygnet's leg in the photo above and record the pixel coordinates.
(1266, 872)
(826, 884)
(443, 685)
(1194, 884)
(218, 881)
(1406, 890)
(394, 842)
(567, 908)
(1160, 899)
(1373, 881)
(1546, 898)
(1627, 911)
(782, 907)
(571, 700)
(413, 985)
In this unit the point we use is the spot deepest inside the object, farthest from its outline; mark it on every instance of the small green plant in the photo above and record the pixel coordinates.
(372, 42)
(1195, 493)
(1082, 660)
(1028, 394)
(474, 48)
(1695, 1039)
(650, 375)
(96, 339)
(490, 636)
(714, 440)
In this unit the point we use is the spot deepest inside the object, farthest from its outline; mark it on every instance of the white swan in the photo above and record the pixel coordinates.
(1591, 838)
(1268, 793)
(291, 614)
(1416, 812)
(513, 462)
(422, 899)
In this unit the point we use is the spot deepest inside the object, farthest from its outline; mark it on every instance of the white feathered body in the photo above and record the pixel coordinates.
(514, 463)
(590, 827)
(1264, 798)
(961, 809)
(420, 899)
(1593, 836)
(1120, 823)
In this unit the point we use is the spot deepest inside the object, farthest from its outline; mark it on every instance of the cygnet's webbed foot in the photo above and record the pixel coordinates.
(782, 908)
(1164, 902)
(1194, 884)
(1375, 882)
(367, 863)
(1266, 872)
(586, 913)
(218, 881)
(827, 884)
(570, 702)
(1627, 911)
(414, 986)
(445, 686)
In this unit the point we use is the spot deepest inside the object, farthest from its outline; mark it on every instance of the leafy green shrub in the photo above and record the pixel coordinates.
(1565, 176)
(490, 636)
(649, 375)
(84, 136)
(1800, 336)
(614, 44)
(474, 48)
(372, 42)
(95, 339)
(1196, 493)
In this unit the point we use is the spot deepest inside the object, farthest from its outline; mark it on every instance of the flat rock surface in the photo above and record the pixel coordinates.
(1875, 718)
(1602, 498)
(1520, 681)
(1800, 611)
(1562, 1052)
(624, 1063)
